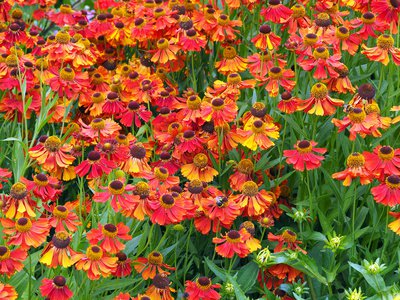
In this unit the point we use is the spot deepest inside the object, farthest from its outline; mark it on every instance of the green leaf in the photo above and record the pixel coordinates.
(247, 276)
(374, 280)
(220, 273)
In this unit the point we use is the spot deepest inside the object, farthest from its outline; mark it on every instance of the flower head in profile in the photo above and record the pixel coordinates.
(233, 242)
(151, 265)
(11, 261)
(388, 192)
(202, 288)
(383, 161)
(170, 208)
(94, 166)
(124, 265)
(199, 169)
(257, 133)
(231, 62)
(51, 154)
(355, 168)
(252, 201)
(276, 12)
(58, 252)
(8, 292)
(395, 225)
(305, 155)
(160, 287)
(56, 288)
(384, 47)
(251, 242)
(266, 39)
(166, 51)
(25, 232)
(96, 263)
(286, 240)
(109, 237)
(19, 202)
(289, 104)
(320, 103)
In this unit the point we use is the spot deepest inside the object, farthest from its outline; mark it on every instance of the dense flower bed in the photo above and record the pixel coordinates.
(186, 149)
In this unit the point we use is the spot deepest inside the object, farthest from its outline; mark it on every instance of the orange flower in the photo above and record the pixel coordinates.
(360, 123)
(220, 209)
(166, 52)
(25, 232)
(243, 171)
(251, 242)
(19, 203)
(395, 225)
(202, 288)
(323, 62)
(161, 179)
(220, 110)
(380, 53)
(288, 104)
(266, 39)
(256, 134)
(8, 292)
(387, 12)
(355, 168)
(388, 192)
(289, 238)
(278, 77)
(151, 266)
(96, 263)
(58, 252)
(251, 200)
(303, 157)
(341, 84)
(231, 62)
(223, 29)
(11, 261)
(51, 154)
(160, 289)
(320, 103)
(137, 162)
(140, 206)
(199, 169)
(232, 243)
(63, 218)
(109, 235)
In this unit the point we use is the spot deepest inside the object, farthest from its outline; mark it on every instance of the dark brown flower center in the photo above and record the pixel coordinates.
(133, 105)
(204, 281)
(286, 96)
(366, 91)
(93, 156)
(167, 199)
(160, 281)
(386, 150)
(217, 102)
(116, 185)
(22, 221)
(233, 234)
(59, 281)
(393, 179)
(265, 29)
(3, 250)
(188, 134)
(138, 152)
(121, 256)
(110, 228)
(304, 144)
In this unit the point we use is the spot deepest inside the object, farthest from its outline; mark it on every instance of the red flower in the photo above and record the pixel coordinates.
(199, 169)
(278, 77)
(43, 186)
(231, 243)
(288, 104)
(388, 192)
(94, 166)
(117, 192)
(160, 289)
(276, 12)
(11, 261)
(169, 209)
(124, 268)
(383, 161)
(135, 114)
(109, 235)
(167, 50)
(223, 28)
(68, 83)
(55, 289)
(221, 209)
(202, 288)
(323, 63)
(303, 157)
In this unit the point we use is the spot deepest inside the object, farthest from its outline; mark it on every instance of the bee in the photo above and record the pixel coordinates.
(221, 200)
(347, 108)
